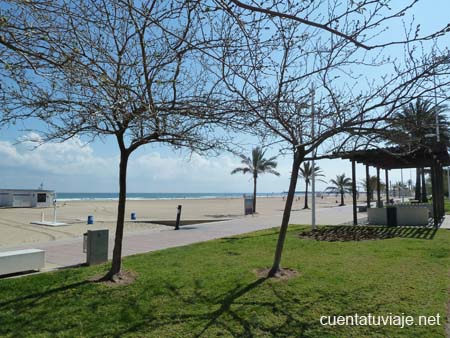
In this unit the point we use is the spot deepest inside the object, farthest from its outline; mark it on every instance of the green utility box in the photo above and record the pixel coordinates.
(95, 245)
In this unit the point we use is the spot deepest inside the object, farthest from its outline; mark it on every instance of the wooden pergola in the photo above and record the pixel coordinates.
(435, 158)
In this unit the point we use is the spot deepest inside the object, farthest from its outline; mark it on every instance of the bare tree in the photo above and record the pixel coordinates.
(112, 68)
(154, 72)
(300, 12)
(312, 93)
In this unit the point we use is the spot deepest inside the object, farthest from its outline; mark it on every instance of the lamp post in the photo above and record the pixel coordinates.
(445, 59)
(313, 179)
(438, 137)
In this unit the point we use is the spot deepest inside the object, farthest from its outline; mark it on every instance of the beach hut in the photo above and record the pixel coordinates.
(23, 198)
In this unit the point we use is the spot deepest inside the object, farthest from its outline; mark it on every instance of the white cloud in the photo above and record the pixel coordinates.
(157, 172)
(75, 166)
(72, 157)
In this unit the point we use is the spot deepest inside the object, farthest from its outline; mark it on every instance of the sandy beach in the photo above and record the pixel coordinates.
(16, 227)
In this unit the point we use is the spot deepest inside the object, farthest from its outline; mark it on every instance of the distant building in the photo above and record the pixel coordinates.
(22, 198)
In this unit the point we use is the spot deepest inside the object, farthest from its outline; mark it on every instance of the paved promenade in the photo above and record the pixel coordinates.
(69, 252)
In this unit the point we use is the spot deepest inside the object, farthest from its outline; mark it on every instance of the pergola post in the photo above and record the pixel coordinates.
(436, 199)
(423, 191)
(441, 191)
(441, 167)
(367, 186)
(434, 193)
(355, 219)
(378, 188)
(386, 171)
(438, 190)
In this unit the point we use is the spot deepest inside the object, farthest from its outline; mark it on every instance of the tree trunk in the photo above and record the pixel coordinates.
(417, 192)
(297, 161)
(342, 199)
(306, 196)
(255, 177)
(424, 187)
(117, 252)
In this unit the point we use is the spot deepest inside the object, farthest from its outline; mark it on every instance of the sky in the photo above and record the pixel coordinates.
(77, 166)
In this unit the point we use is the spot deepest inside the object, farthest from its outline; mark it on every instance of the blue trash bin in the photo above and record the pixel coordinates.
(90, 220)
(133, 216)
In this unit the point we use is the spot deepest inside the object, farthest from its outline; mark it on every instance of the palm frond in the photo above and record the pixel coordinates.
(274, 172)
(238, 170)
(257, 164)
(341, 184)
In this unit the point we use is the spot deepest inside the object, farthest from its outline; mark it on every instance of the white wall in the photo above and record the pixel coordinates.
(25, 198)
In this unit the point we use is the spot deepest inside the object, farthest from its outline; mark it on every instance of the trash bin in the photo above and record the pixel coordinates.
(248, 204)
(133, 216)
(95, 245)
(391, 216)
(90, 220)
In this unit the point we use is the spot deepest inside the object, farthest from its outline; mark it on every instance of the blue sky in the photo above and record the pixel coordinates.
(76, 166)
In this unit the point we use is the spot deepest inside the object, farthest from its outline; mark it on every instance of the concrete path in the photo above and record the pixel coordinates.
(446, 223)
(69, 252)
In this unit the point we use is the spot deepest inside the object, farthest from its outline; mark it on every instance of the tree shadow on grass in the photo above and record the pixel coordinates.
(260, 307)
(226, 306)
(36, 297)
(211, 318)
(40, 312)
(234, 313)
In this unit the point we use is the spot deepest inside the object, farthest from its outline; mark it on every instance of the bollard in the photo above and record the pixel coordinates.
(90, 219)
(133, 216)
(177, 224)
(54, 211)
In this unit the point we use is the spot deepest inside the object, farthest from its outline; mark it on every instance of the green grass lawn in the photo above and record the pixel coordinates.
(210, 290)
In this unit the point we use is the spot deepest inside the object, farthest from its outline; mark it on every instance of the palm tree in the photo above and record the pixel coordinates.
(400, 188)
(373, 185)
(413, 124)
(341, 185)
(306, 173)
(416, 121)
(257, 165)
(410, 184)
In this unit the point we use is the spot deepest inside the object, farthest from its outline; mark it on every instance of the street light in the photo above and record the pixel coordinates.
(441, 60)
(313, 180)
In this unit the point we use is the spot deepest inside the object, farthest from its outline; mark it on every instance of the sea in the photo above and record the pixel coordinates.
(107, 196)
